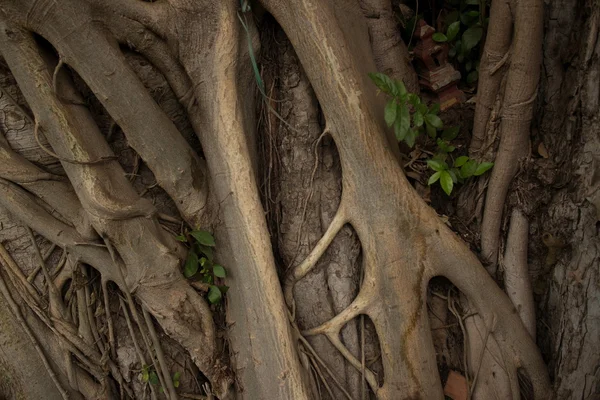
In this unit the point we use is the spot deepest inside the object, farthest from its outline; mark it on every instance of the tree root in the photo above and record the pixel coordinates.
(516, 271)
(517, 110)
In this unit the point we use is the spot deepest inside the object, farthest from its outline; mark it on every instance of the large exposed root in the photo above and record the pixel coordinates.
(390, 52)
(151, 257)
(517, 109)
(395, 227)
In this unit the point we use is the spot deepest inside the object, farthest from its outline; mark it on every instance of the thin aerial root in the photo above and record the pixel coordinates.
(335, 324)
(136, 345)
(128, 296)
(55, 75)
(38, 268)
(483, 349)
(317, 252)
(160, 356)
(315, 366)
(369, 375)
(17, 313)
(327, 369)
(36, 135)
(18, 274)
(57, 307)
(92, 320)
(307, 199)
(516, 271)
(363, 392)
(109, 320)
(500, 63)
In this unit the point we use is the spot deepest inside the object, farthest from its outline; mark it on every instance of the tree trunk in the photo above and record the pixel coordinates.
(328, 249)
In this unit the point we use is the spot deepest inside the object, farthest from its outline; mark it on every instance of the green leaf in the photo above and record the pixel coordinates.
(181, 238)
(451, 17)
(207, 251)
(402, 123)
(468, 65)
(204, 238)
(434, 109)
(176, 377)
(433, 178)
(153, 378)
(473, 13)
(431, 131)
(434, 121)
(439, 37)
(453, 30)
(391, 110)
(445, 146)
(410, 137)
(471, 37)
(452, 52)
(482, 168)
(400, 89)
(414, 99)
(418, 119)
(468, 169)
(460, 161)
(472, 2)
(446, 182)
(191, 264)
(223, 288)
(450, 133)
(436, 165)
(219, 271)
(453, 175)
(145, 373)
(383, 82)
(214, 294)
(472, 77)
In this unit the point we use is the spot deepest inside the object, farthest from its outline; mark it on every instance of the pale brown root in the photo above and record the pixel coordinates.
(517, 110)
(19, 317)
(311, 260)
(18, 274)
(220, 62)
(486, 363)
(177, 168)
(390, 52)
(114, 208)
(55, 191)
(516, 272)
(133, 336)
(165, 375)
(515, 343)
(494, 58)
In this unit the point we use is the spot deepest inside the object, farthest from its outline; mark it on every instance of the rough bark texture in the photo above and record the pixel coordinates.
(356, 194)
(566, 238)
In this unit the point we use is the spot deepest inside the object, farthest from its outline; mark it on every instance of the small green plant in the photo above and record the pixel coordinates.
(200, 264)
(462, 168)
(176, 377)
(410, 117)
(406, 112)
(149, 375)
(464, 28)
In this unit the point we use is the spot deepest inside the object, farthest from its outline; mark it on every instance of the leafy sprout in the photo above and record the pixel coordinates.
(200, 265)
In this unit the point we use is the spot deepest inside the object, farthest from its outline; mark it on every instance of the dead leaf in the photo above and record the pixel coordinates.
(414, 175)
(542, 151)
(456, 386)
